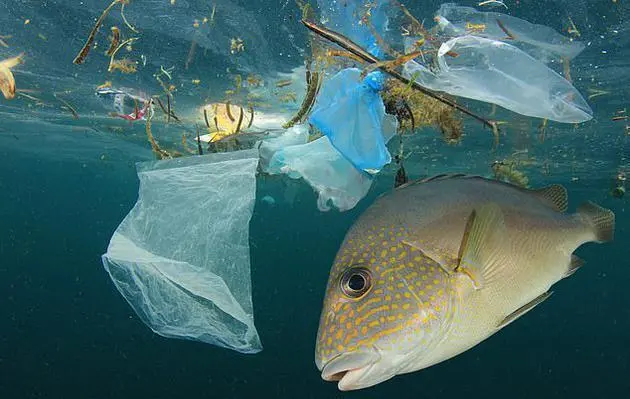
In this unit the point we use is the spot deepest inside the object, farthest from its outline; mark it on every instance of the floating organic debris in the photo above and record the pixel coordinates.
(125, 65)
(596, 93)
(225, 120)
(506, 171)
(493, 3)
(284, 83)
(236, 45)
(75, 114)
(2, 40)
(122, 14)
(7, 81)
(314, 82)
(90, 40)
(618, 189)
(509, 35)
(115, 41)
(572, 30)
(414, 109)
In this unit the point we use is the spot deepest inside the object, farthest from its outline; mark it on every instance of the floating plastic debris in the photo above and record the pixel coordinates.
(499, 73)
(538, 40)
(181, 256)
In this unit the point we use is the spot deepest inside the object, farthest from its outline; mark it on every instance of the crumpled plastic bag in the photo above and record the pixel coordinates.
(352, 114)
(499, 73)
(538, 40)
(295, 135)
(330, 174)
(181, 255)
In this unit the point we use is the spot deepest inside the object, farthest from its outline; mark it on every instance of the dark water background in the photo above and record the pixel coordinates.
(65, 332)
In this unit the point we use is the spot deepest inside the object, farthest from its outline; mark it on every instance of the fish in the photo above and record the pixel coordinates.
(439, 265)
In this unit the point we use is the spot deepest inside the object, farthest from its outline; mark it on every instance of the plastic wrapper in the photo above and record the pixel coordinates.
(351, 113)
(499, 73)
(181, 256)
(538, 40)
(330, 174)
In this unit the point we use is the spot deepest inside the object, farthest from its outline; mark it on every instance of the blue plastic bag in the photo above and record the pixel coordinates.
(351, 113)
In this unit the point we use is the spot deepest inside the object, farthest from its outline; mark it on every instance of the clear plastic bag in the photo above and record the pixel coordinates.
(330, 174)
(295, 135)
(351, 113)
(538, 40)
(181, 256)
(499, 73)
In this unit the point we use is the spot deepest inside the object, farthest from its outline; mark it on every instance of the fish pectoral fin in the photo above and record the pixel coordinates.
(524, 309)
(443, 260)
(478, 253)
(555, 195)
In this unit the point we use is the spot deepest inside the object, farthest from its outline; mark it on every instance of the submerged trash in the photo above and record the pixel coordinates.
(181, 256)
(351, 113)
(539, 40)
(427, 295)
(499, 73)
(331, 175)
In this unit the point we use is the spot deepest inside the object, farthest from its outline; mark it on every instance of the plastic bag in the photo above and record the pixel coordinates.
(181, 256)
(351, 113)
(331, 175)
(345, 17)
(499, 73)
(295, 135)
(538, 40)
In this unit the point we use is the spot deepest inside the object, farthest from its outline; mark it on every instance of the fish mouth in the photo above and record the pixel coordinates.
(349, 368)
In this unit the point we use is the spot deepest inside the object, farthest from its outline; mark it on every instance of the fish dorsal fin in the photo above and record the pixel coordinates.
(524, 309)
(443, 176)
(555, 195)
(478, 253)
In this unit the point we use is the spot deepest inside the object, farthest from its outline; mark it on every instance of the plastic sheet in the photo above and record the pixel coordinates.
(181, 256)
(538, 40)
(351, 113)
(331, 175)
(499, 73)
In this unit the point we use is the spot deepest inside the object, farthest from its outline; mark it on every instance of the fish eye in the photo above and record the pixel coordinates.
(356, 282)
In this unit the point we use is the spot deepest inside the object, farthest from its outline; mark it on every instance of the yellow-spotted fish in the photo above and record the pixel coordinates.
(438, 266)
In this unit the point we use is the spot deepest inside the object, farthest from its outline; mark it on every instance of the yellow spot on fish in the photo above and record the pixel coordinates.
(364, 330)
(383, 253)
(339, 334)
(405, 306)
(407, 295)
(388, 297)
(374, 323)
(340, 348)
(329, 341)
(348, 325)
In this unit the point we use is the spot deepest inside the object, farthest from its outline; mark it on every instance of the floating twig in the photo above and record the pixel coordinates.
(122, 14)
(115, 41)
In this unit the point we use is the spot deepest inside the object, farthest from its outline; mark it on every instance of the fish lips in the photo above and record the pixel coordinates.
(349, 369)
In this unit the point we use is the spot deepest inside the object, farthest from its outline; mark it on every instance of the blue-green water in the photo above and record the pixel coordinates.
(65, 331)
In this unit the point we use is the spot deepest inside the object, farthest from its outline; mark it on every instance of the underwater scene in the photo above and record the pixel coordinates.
(314, 198)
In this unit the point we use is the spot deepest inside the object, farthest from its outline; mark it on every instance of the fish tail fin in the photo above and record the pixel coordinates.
(601, 220)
